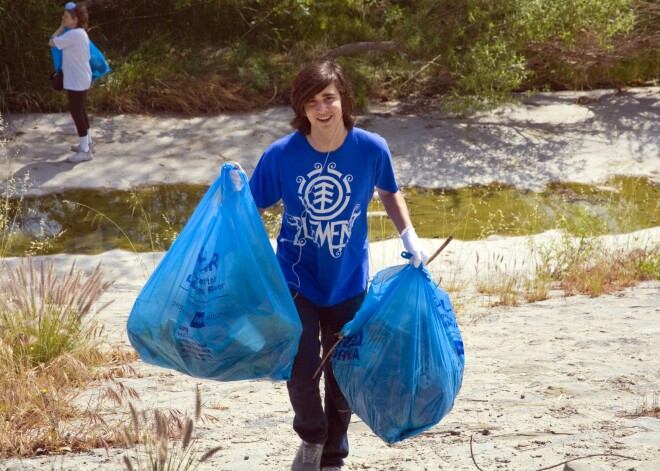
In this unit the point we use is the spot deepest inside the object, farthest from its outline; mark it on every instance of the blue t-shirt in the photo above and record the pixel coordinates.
(322, 246)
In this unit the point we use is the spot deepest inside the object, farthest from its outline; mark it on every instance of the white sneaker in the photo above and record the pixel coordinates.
(76, 147)
(80, 157)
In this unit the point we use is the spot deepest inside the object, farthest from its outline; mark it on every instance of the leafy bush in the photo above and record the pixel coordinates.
(196, 56)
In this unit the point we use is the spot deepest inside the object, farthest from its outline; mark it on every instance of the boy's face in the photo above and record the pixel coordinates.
(323, 110)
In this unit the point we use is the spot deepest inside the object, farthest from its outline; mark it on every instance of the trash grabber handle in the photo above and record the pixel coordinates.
(437, 252)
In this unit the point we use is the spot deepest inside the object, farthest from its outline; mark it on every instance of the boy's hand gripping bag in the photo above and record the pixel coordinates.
(217, 306)
(400, 362)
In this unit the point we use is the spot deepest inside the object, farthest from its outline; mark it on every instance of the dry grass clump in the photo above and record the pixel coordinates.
(537, 288)
(574, 266)
(610, 271)
(182, 95)
(49, 346)
(503, 282)
(44, 316)
(585, 266)
(163, 442)
(648, 408)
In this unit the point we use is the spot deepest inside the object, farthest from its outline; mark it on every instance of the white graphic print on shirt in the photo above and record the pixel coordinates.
(325, 194)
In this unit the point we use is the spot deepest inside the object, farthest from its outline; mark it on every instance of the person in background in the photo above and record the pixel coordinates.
(74, 45)
(325, 173)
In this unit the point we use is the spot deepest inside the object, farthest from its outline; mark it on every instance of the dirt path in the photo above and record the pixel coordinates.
(549, 137)
(544, 383)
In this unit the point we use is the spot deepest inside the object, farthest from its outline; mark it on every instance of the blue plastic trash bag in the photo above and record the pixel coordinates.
(217, 306)
(400, 363)
(97, 61)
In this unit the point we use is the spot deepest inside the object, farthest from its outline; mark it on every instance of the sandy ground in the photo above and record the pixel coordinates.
(576, 136)
(544, 383)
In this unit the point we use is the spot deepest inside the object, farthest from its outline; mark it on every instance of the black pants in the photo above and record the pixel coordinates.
(318, 421)
(78, 109)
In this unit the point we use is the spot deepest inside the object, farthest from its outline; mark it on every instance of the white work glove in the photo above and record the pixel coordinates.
(235, 176)
(413, 245)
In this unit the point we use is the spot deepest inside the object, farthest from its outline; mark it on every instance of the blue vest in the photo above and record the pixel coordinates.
(322, 246)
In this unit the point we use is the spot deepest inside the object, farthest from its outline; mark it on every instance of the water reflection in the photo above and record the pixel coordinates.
(92, 221)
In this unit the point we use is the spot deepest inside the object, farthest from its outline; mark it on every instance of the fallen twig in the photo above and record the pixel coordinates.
(364, 46)
(419, 71)
(588, 456)
(613, 455)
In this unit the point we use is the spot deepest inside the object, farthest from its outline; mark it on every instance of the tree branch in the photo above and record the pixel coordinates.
(365, 46)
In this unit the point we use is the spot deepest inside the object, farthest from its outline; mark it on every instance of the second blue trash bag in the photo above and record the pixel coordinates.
(217, 306)
(400, 362)
(97, 61)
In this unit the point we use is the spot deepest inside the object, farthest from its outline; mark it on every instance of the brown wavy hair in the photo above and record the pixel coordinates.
(312, 80)
(80, 12)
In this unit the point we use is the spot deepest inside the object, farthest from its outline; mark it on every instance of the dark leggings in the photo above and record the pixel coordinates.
(78, 109)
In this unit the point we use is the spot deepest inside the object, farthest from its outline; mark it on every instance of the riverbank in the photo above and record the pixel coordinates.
(559, 379)
(582, 137)
(547, 382)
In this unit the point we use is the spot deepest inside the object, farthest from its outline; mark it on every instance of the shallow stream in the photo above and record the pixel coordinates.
(93, 221)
